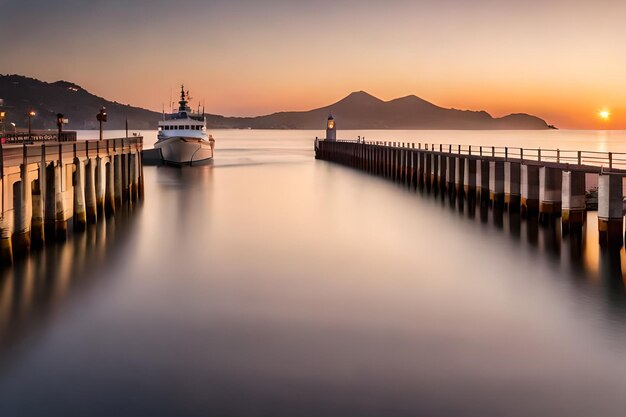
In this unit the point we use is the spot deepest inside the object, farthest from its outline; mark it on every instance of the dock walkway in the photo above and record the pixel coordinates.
(548, 183)
(44, 186)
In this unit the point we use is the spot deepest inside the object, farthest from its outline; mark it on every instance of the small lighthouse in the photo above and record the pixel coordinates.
(331, 129)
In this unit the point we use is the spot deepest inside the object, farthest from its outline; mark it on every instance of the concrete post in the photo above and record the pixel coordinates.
(459, 179)
(469, 178)
(484, 180)
(60, 222)
(125, 159)
(610, 214)
(397, 162)
(550, 192)
(91, 207)
(405, 167)
(117, 169)
(530, 189)
(109, 197)
(37, 233)
(408, 167)
(429, 171)
(451, 174)
(421, 169)
(434, 171)
(50, 202)
(442, 172)
(402, 165)
(133, 175)
(6, 248)
(37, 228)
(410, 171)
(140, 176)
(22, 214)
(512, 186)
(388, 162)
(80, 210)
(101, 180)
(496, 184)
(574, 204)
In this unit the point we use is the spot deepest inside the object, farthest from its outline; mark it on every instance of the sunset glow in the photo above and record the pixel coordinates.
(604, 115)
(252, 58)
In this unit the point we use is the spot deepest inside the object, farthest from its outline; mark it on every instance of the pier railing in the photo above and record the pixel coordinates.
(24, 137)
(25, 153)
(594, 160)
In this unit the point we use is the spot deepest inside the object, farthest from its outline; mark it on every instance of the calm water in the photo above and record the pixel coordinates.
(271, 284)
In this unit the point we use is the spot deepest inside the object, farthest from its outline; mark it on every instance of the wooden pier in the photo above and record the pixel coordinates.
(538, 182)
(44, 186)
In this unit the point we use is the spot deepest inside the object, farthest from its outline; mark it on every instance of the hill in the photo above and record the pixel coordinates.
(359, 110)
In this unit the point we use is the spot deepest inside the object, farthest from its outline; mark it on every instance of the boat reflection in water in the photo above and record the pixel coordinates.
(32, 291)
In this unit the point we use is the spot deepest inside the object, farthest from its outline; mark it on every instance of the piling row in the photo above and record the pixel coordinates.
(48, 189)
(546, 190)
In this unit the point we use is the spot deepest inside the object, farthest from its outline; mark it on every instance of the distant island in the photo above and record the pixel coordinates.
(359, 110)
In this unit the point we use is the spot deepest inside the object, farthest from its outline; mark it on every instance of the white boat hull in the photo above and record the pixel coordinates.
(178, 150)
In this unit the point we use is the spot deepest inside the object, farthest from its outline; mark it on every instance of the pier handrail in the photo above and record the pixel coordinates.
(16, 154)
(597, 159)
(38, 136)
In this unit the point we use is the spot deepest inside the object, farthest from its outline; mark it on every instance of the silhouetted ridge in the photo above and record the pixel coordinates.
(358, 110)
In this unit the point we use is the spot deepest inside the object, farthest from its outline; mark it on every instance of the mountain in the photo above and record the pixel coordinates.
(21, 94)
(361, 110)
(358, 110)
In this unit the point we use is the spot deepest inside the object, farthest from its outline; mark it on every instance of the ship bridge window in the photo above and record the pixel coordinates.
(186, 127)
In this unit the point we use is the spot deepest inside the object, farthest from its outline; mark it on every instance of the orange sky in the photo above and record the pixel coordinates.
(562, 61)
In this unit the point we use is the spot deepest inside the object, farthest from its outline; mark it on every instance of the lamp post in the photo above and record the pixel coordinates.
(60, 123)
(102, 117)
(331, 129)
(31, 114)
(2, 116)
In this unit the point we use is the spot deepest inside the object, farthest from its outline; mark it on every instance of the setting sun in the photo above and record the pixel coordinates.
(604, 114)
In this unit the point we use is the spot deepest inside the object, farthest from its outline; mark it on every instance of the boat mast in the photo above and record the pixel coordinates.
(183, 102)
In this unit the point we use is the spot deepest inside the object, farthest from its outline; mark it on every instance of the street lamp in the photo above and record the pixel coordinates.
(31, 114)
(14, 127)
(102, 117)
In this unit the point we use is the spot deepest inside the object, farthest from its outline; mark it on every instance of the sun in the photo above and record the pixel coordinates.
(604, 114)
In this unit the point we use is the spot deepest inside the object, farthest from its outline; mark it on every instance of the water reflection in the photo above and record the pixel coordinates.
(363, 298)
(38, 285)
(584, 257)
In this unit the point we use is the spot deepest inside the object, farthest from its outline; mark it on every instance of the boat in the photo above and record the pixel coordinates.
(182, 137)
